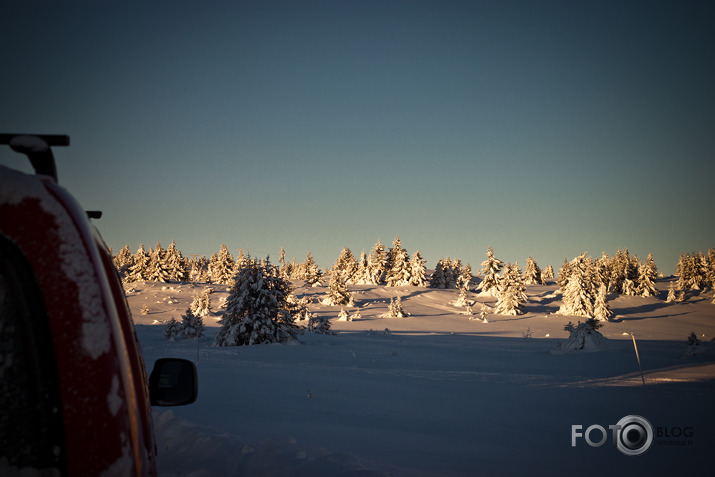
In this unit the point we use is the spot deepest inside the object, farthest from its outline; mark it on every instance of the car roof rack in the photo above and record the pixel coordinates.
(37, 148)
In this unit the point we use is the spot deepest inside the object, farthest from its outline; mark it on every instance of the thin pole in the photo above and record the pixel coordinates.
(638, 357)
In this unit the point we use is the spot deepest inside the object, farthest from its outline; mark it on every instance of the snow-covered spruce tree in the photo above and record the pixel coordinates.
(437, 279)
(450, 277)
(532, 274)
(467, 275)
(282, 264)
(671, 294)
(298, 308)
(547, 273)
(646, 280)
(241, 261)
(628, 287)
(346, 265)
(417, 270)
(192, 326)
(463, 286)
(311, 271)
(319, 325)
(172, 330)
(710, 272)
(362, 275)
(338, 293)
(457, 271)
(399, 273)
(176, 265)
(580, 291)
(138, 271)
(510, 291)
(201, 304)
(563, 277)
(601, 310)
(123, 261)
(257, 308)
(490, 269)
(222, 267)
(602, 267)
(378, 263)
(396, 309)
(157, 269)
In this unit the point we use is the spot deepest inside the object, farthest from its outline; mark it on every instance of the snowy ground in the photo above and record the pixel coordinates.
(437, 394)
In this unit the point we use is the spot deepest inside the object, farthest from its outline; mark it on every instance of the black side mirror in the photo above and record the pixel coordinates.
(173, 382)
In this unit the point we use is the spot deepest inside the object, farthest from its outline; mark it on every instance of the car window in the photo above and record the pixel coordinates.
(31, 430)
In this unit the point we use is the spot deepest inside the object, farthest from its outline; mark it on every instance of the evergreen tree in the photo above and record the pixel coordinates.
(450, 278)
(437, 279)
(671, 294)
(123, 261)
(338, 293)
(547, 274)
(628, 287)
(604, 269)
(378, 263)
(463, 286)
(346, 265)
(710, 271)
(532, 274)
(241, 261)
(176, 265)
(201, 304)
(601, 311)
(646, 279)
(564, 272)
(157, 269)
(491, 268)
(362, 275)
(222, 268)
(311, 272)
(417, 270)
(579, 294)
(172, 330)
(510, 291)
(319, 325)
(200, 270)
(257, 308)
(467, 275)
(396, 309)
(399, 273)
(192, 326)
(138, 271)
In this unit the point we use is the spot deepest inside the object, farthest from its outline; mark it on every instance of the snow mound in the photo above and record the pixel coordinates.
(189, 450)
(582, 338)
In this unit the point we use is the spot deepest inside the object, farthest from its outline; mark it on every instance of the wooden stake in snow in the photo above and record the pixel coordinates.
(638, 357)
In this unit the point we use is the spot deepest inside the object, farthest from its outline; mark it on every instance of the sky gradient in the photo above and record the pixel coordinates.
(540, 128)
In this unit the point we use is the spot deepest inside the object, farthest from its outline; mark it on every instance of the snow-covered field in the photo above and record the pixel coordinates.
(437, 393)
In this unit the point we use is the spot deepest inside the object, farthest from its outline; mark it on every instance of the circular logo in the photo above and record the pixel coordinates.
(634, 435)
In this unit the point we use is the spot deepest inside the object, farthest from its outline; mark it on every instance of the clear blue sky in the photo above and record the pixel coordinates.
(539, 128)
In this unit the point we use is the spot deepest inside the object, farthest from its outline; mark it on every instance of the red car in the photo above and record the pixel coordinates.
(74, 398)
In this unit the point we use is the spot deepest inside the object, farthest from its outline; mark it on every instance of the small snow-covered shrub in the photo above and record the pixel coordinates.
(173, 329)
(319, 325)
(695, 346)
(192, 326)
(395, 309)
(582, 337)
(343, 315)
